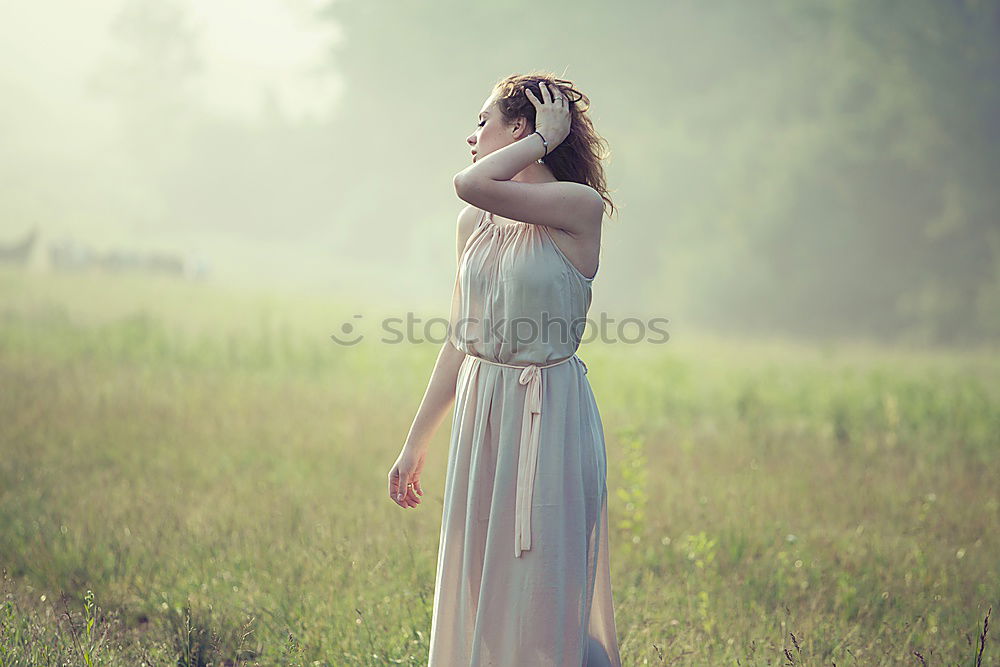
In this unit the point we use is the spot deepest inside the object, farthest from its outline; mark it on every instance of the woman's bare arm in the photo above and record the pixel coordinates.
(404, 476)
(438, 397)
(440, 392)
(575, 208)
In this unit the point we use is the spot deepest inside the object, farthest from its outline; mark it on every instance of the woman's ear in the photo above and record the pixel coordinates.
(520, 126)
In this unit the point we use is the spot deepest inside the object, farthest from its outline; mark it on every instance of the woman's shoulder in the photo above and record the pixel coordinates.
(468, 219)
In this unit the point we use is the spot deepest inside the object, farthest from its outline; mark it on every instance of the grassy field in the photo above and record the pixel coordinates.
(196, 476)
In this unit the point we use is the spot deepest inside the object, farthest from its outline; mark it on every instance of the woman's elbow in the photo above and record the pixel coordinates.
(459, 183)
(465, 186)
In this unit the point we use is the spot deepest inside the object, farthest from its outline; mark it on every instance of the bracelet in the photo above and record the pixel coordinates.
(545, 143)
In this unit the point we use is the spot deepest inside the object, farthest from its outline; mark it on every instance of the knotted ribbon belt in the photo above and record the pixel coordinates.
(527, 457)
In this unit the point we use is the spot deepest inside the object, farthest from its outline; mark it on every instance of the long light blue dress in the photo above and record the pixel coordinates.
(523, 572)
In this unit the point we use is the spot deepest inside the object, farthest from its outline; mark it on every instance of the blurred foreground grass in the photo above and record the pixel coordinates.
(211, 467)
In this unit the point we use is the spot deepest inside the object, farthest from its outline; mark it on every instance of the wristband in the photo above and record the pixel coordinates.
(545, 143)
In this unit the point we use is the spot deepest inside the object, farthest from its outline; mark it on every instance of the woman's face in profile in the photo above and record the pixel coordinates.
(491, 134)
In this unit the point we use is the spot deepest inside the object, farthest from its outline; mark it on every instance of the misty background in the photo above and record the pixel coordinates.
(815, 169)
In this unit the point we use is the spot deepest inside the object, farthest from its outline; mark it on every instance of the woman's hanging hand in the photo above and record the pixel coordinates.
(552, 116)
(404, 478)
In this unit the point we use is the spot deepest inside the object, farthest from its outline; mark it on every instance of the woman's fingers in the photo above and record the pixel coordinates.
(556, 95)
(398, 487)
(404, 487)
(531, 96)
(393, 484)
(411, 494)
(547, 95)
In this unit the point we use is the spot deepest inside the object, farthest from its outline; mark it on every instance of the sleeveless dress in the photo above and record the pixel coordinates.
(523, 571)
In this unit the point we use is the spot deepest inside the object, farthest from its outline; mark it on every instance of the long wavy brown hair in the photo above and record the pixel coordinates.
(578, 157)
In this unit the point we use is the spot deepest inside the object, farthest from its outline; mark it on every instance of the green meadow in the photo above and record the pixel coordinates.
(192, 475)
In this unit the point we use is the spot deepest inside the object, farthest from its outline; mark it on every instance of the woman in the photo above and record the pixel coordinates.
(523, 572)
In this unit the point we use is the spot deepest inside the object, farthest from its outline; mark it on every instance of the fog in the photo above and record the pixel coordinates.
(809, 169)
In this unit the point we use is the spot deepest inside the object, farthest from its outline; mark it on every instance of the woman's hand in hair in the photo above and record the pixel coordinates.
(552, 116)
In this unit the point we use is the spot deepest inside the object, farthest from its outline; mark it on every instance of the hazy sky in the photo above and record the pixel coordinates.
(49, 50)
(66, 166)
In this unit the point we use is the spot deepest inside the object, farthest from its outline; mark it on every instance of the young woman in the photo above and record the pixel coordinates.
(523, 572)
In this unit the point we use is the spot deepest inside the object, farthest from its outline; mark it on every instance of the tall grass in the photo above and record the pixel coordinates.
(197, 477)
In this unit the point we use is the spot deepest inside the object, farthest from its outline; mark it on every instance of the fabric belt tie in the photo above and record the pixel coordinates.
(527, 457)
